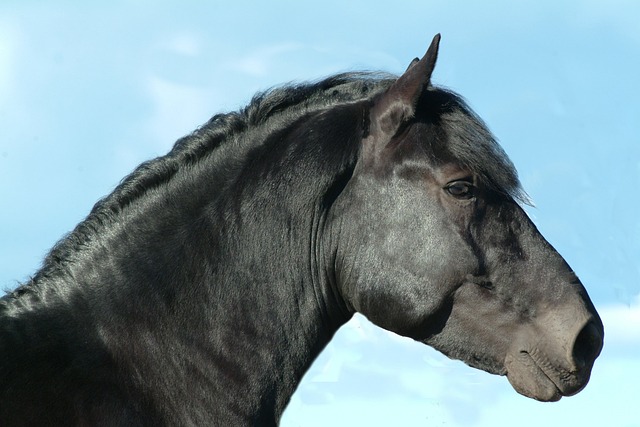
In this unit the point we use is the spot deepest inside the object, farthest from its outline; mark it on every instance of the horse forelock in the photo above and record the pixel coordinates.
(468, 141)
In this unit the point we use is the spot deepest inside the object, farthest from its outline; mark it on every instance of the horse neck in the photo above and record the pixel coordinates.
(281, 300)
(235, 285)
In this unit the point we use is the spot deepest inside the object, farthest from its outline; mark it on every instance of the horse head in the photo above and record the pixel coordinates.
(432, 243)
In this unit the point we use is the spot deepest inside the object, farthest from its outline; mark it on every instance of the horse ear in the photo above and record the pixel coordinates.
(398, 103)
(413, 62)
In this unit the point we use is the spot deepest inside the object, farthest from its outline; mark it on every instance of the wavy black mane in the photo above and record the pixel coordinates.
(282, 105)
(291, 101)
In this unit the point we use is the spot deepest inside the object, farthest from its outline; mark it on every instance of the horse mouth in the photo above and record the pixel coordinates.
(531, 378)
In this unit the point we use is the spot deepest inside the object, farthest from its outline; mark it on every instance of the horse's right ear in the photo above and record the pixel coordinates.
(398, 104)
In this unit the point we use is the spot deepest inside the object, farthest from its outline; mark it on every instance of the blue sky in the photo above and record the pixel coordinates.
(89, 91)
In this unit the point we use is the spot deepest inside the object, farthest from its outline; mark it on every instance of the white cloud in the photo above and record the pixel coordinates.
(259, 62)
(184, 44)
(622, 323)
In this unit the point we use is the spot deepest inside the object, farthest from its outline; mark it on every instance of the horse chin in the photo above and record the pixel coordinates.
(529, 379)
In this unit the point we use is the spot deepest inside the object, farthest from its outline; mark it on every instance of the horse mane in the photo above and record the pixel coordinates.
(284, 103)
(279, 107)
(293, 100)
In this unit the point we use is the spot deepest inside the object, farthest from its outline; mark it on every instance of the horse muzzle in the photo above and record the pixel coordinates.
(554, 358)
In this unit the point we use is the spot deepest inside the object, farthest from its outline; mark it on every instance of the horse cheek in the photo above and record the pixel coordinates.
(403, 285)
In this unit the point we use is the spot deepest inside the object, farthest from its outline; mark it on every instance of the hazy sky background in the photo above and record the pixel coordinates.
(89, 91)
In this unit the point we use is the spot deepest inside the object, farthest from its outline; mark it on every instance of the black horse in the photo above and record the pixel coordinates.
(203, 287)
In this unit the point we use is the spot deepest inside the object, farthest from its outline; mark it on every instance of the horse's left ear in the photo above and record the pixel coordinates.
(398, 104)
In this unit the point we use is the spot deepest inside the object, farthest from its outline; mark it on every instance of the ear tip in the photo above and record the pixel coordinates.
(432, 52)
(436, 40)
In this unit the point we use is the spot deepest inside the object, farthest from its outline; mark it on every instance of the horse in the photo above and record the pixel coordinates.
(202, 288)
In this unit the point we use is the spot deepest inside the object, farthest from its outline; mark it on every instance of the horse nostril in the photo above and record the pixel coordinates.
(587, 346)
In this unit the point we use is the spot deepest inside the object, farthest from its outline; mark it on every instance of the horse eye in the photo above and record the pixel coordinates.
(460, 189)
